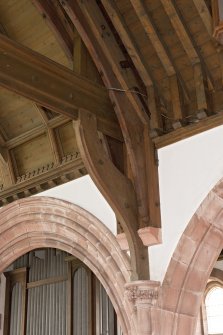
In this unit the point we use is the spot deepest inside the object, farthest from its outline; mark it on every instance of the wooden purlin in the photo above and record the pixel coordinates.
(53, 86)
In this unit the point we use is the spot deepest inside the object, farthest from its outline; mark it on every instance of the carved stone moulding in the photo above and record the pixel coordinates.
(143, 292)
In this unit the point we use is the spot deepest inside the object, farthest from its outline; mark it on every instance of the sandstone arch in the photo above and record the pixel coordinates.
(40, 222)
(191, 265)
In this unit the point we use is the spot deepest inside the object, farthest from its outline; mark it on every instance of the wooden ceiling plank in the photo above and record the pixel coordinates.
(51, 85)
(58, 24)
(205, 15)
(124, 33)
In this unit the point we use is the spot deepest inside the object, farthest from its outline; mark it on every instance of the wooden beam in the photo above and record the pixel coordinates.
(152, 34)
(188, 45)
(175, 98)
(115, 187)
(127, 40)
(155, 120)
(193, 129)
(180, 31)
(200, 88)
(52, 85)
(205, 15)
(58, 24)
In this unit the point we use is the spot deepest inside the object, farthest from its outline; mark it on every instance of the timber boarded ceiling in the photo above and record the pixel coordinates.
(167, 46)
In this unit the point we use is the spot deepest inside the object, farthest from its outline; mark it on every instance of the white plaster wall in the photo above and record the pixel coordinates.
(85, 194)
(188, 170)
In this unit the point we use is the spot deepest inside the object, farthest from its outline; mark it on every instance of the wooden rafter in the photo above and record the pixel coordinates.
(152, 33)
(164, 57)
(136, 57)
(58, 23)
(52, 85)
(129, 43)
(205, 15)
(188, 45)
(112, 52)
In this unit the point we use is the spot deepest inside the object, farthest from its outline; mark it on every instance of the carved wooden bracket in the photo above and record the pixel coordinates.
(116, 188)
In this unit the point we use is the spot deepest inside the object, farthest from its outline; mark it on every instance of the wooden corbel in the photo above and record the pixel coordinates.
(116, 188)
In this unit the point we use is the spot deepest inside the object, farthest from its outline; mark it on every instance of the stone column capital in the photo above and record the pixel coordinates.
(143, 292)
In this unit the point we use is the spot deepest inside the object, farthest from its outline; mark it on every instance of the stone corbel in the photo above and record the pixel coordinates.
(143, 295)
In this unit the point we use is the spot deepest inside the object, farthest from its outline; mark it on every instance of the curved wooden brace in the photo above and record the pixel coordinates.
(116, 188)
(132, 117)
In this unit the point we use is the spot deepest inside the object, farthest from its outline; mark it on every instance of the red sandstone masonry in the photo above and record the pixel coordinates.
(143, 308)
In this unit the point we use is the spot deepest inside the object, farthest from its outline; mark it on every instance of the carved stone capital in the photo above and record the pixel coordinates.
(143, 292)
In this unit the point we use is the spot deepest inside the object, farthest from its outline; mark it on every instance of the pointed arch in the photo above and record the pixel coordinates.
(40, 222)
(191, 265)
